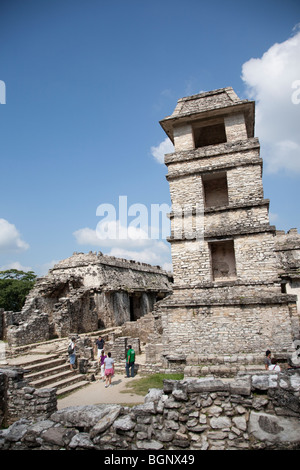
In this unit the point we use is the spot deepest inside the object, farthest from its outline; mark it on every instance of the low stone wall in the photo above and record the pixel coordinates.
(119, 347)
(36, 329)
(251, 412)
(18, 400)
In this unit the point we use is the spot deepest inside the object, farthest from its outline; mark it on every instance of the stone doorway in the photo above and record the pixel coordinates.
(135, 307)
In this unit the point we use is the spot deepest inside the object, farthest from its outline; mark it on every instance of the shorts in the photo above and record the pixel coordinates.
(72, 358)
(109, 371)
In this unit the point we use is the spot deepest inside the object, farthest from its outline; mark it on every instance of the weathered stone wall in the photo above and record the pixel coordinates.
(84, 293)
(236, 221)
(32, 331)
(230, 329)
(254, 258)
(18, 400)
(252, 412)
(220, 157)
(287, 248)
(120, 345)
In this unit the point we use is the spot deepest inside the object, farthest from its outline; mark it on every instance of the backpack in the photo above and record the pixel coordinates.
(70, 349)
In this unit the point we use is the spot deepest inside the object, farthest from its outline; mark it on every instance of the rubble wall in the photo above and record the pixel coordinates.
(287, 247)
(259, 411)
(84, 293)
(19, 401)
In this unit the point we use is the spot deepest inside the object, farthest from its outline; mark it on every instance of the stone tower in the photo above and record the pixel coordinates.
(227, 296)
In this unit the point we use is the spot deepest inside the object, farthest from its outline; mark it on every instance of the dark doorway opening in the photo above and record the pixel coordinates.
(135, 307)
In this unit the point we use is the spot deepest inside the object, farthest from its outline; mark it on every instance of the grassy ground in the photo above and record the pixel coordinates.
(141, 386)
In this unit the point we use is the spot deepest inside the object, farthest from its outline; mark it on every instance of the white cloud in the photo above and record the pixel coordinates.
(273, 81)
(110, 234)
(16, 265)
(87, 236)
(164, 147)
(156, 254)
(10, 238)
(129, 243)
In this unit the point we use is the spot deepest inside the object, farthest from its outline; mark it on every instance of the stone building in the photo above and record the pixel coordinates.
(84, 293)
(287, 247)
(236, 279)
(228, 297)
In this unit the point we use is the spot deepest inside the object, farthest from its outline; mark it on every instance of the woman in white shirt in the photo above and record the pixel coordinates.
(72, 353)
(109, 369)
(274, 366)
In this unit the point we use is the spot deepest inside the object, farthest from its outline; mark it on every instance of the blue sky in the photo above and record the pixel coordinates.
(86, 84)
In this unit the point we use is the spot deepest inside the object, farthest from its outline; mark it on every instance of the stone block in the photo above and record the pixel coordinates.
(270, 428)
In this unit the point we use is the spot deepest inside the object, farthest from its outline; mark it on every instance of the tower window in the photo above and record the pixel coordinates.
(215, 189)
(222, 260)
(209, 135)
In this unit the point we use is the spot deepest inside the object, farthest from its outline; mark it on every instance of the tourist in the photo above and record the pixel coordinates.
(72, 353)
(102, 365)
(130, 358)
(274, 366)
(109, 369)
(268, 361)
(99, 346)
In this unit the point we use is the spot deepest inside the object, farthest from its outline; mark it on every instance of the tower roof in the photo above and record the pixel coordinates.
(206, 105)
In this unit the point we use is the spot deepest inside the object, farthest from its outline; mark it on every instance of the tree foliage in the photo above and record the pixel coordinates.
(14, 287)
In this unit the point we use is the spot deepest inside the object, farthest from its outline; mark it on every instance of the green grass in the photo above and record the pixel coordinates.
(142, 385)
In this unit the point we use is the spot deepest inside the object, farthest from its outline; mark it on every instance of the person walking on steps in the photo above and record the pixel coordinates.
(130, 358)
(72, 353)
(99, 347)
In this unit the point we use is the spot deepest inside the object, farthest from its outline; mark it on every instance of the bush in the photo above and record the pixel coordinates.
(14, 287)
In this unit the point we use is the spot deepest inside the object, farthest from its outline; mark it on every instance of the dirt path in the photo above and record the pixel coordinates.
(96, 393)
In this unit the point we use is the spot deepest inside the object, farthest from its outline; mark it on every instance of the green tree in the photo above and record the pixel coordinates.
(14, 287)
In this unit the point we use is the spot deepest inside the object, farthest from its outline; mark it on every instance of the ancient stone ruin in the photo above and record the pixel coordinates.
(234, 295)
(259, 411)
(234, 276)
(83, 293)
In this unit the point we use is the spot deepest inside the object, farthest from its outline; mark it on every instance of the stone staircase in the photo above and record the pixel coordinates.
(51, 371)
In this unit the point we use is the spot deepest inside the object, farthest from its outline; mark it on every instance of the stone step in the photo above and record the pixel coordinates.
(50, 371)
(47, 380)
(27, 362)
(72, 387)
(70, 383)
(31, 376)
(44, 366)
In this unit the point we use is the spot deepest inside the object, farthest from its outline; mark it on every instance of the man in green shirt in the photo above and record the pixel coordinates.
(130, 358)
